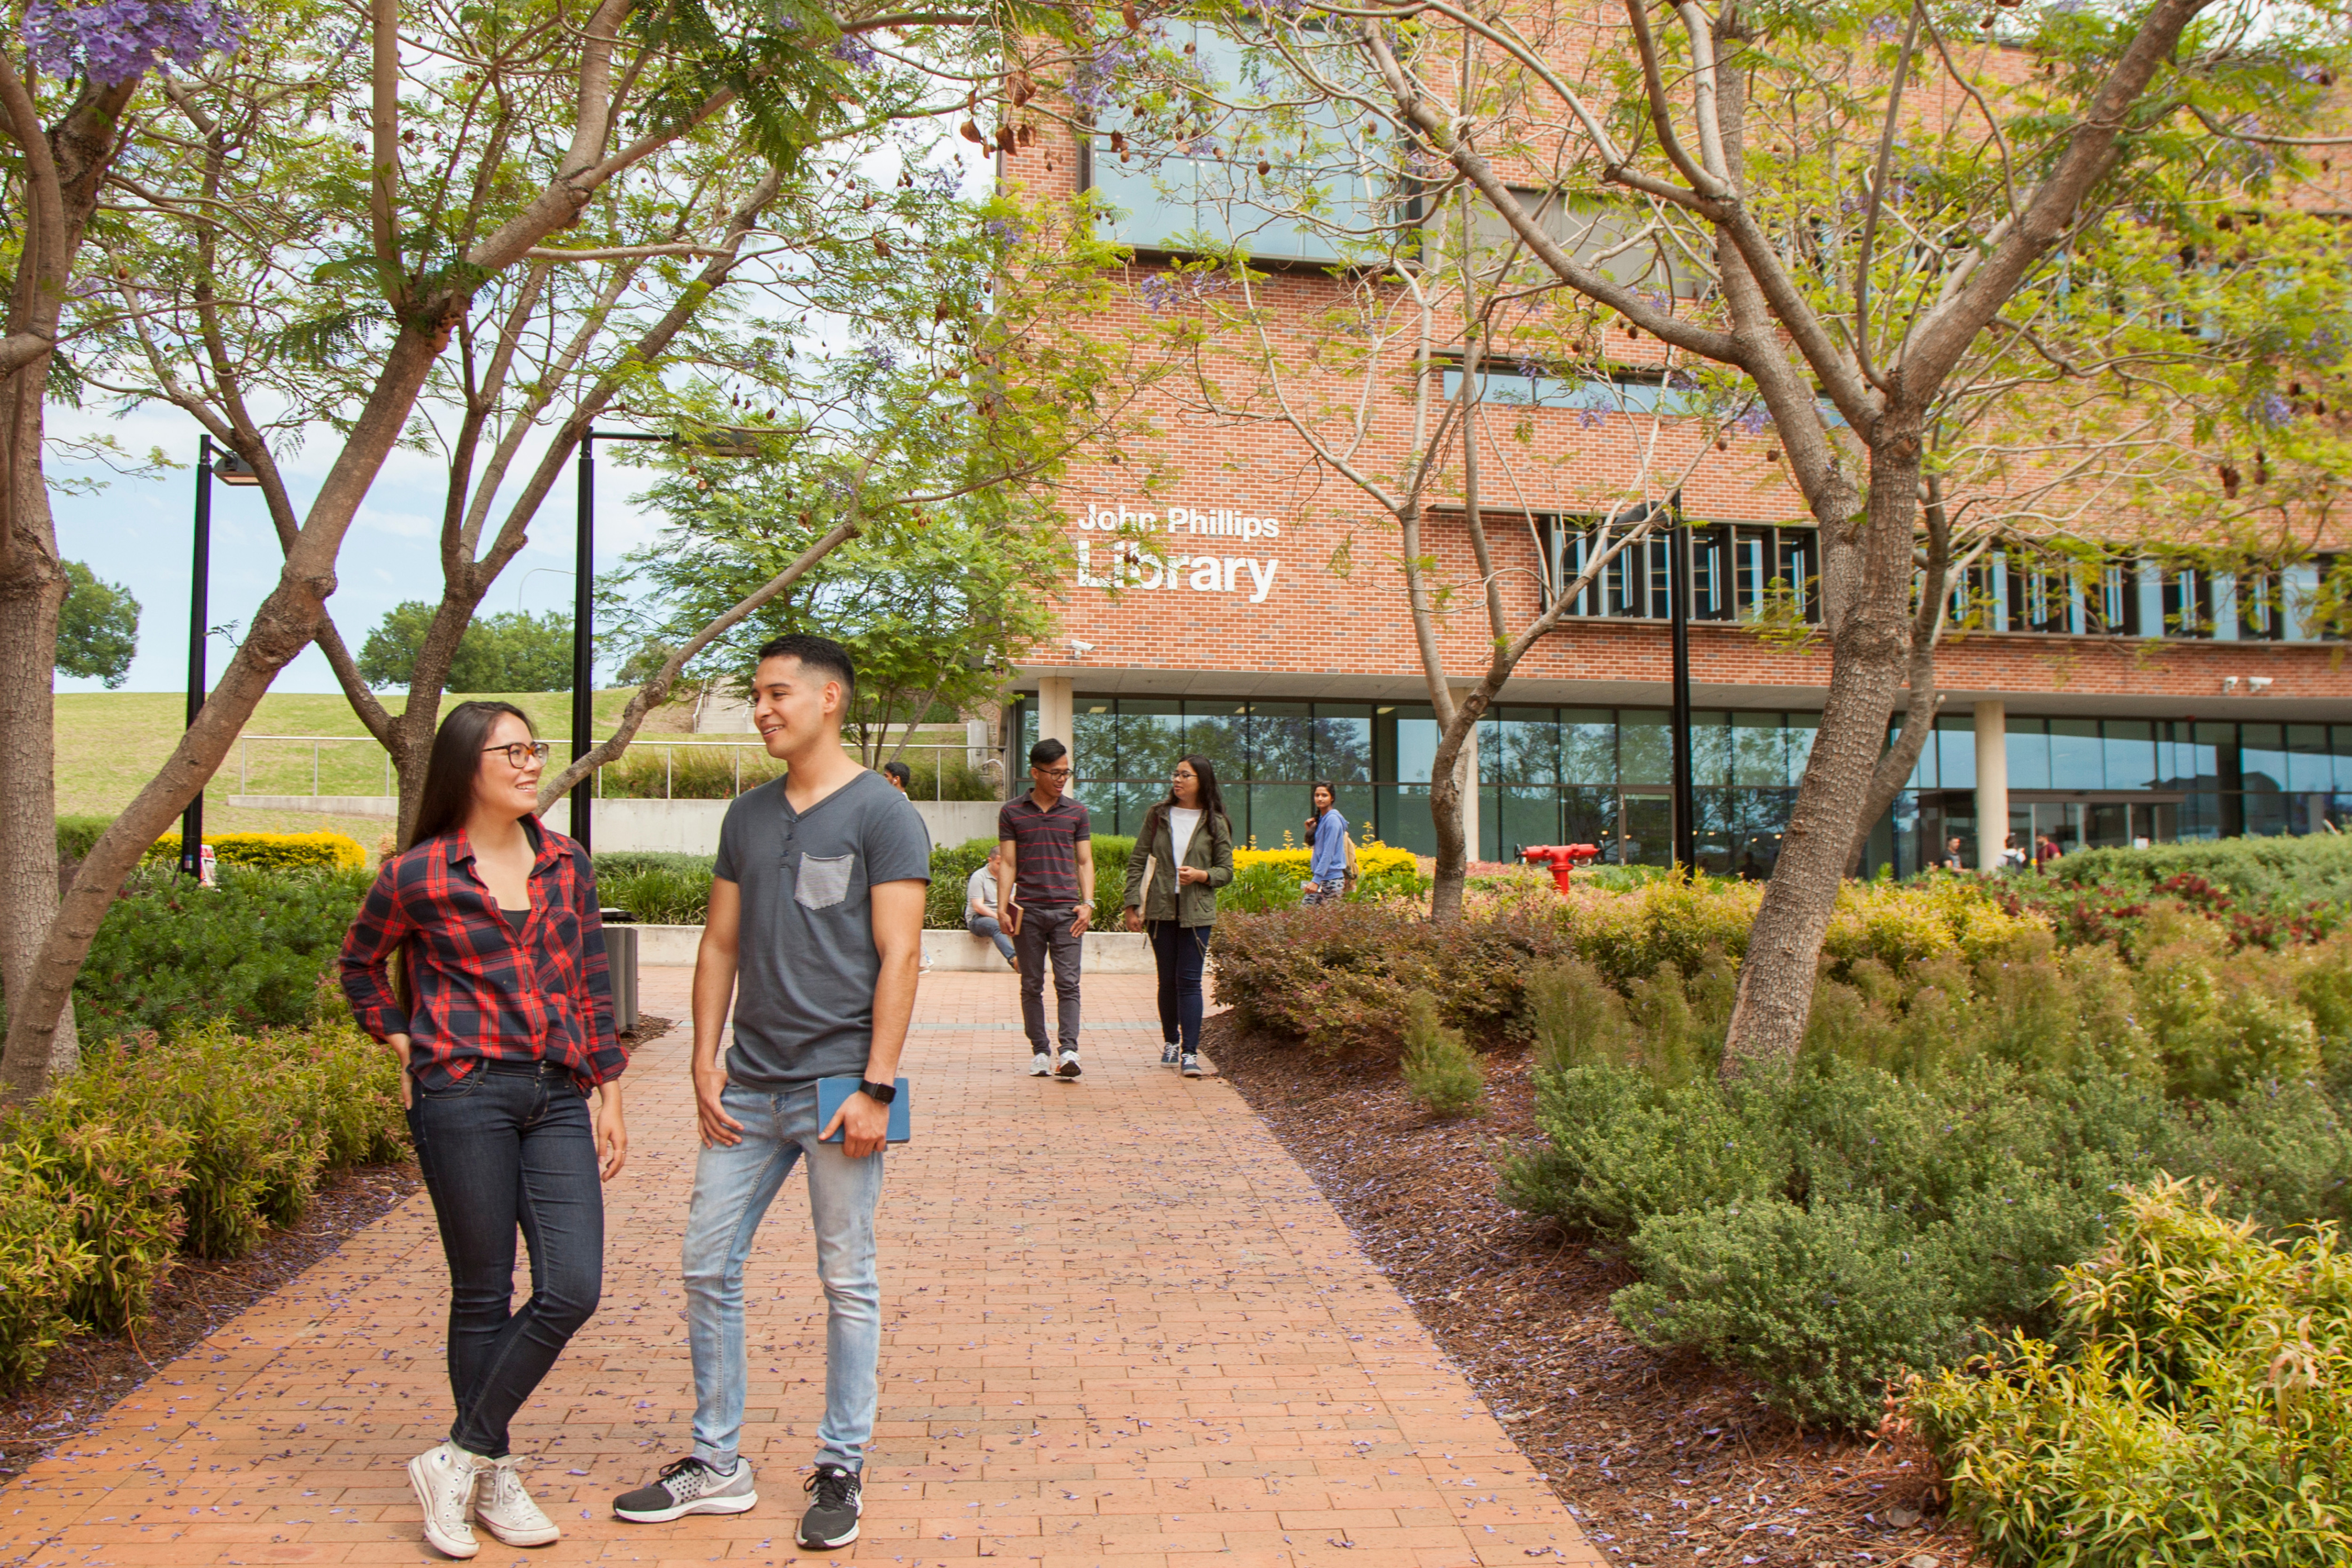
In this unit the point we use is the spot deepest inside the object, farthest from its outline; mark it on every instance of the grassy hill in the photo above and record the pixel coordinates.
(110, 743)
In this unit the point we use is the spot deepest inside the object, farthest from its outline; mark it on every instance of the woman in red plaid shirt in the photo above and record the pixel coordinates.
(502, 1017)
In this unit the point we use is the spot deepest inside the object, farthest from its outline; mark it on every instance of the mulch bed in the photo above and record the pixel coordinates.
(1664, 1458)
(90, 1372)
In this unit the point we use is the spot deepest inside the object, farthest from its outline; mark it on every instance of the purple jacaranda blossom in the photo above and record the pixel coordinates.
(2270, 408)
(1163, 291)
(1098, 75)
(880, 356)
(115, 41)
(853, 50)
(1754, 422)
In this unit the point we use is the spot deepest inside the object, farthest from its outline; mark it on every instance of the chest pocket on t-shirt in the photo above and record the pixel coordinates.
(823, 880)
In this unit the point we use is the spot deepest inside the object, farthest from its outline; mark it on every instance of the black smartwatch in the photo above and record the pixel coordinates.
(879, 1093)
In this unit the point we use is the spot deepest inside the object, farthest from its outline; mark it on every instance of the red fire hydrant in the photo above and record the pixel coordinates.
(1562, 859)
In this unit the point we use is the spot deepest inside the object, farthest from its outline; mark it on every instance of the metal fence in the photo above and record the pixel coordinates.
(686, 761)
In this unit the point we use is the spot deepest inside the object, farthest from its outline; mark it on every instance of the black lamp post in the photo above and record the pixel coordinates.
(231, 470)
(1678, 595)
(721, 442)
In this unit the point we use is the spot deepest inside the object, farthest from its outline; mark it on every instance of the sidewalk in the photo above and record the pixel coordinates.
(1120, 1328)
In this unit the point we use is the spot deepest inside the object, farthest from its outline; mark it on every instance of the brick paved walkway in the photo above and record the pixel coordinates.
(1120, 1328)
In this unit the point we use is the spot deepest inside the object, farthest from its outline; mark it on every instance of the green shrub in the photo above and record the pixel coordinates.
(2192, 1409)
(1441, 1071)
(951, 868)
(42, 1262)
(662, 890)
(257, 951)
(1620, 1148)
(1822, 1305)
(118, 1168)
(1260, 886)
(77, 835)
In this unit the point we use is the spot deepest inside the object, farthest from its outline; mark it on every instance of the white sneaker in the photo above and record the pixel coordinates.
(1069, 1068)
(444, 1480)
(506, 1510)
(1040, 1066)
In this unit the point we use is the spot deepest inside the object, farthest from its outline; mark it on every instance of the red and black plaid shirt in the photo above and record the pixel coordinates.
(479, 990)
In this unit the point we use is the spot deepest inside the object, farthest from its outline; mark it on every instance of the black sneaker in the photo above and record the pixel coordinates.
(689, 1486)
(834, 1507)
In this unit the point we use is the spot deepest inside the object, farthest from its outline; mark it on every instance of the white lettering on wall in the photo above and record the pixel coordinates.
(1202, 573)
(1224, 521)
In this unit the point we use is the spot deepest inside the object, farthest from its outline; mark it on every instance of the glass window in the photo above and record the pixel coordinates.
(1759, 749)
(1282, 742)
(1520, 746)
(1956, 750)
(1588, 747)
(1173, 196)
(2263, 757)
(2308, 765)
(1343, 741)
(1220, 732)
(1710, 750)
(2129, 746)
(1644, 749)
(1800, 733)
(1404, 820)
(2339, 744)
(2077, 760)
(1923, 771)
(2187, 765)
(1094, 723)
(1277, 815)
(2029, 753)
(1150, 739)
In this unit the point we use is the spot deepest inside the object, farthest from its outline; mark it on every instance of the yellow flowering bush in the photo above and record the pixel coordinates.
(274, 851)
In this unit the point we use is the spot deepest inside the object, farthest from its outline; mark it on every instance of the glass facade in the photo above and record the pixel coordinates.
(1604, 776)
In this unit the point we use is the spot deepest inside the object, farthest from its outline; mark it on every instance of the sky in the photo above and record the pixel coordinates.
(138, 532)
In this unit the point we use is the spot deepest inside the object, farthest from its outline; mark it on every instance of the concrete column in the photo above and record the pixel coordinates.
(1054, 719)
(1992, 783)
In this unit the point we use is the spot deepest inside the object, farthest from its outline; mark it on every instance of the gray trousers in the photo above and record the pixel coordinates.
(1047, 927)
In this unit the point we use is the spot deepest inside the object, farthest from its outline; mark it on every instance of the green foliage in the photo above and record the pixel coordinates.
(2263, 892)
(1259, 886)
(1441, 1071)
(98, 629)
(2190, 1408)
(662, 890)
(77, 835)
(1822, 1305)
(42, 1262)
(951, 868)
(509, 651)
(257, 950)
(199, 1144)
(1111, 850)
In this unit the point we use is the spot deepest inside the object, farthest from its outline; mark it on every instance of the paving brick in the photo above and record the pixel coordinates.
(1118, 1319)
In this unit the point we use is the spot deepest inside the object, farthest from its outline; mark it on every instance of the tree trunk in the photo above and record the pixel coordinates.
(1446, 769)
(282, 627)
(1870, 643)
(30, 593)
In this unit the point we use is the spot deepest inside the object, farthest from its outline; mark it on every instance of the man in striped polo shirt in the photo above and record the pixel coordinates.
(1044, 898)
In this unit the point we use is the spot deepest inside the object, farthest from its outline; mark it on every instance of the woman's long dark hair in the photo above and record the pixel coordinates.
(1314, 812)
(457, 761)
(1213, 802)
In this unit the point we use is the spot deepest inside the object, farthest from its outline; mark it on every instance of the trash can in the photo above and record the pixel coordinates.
(621, 959)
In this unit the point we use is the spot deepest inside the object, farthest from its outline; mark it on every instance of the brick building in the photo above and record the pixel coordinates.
(1269, 629)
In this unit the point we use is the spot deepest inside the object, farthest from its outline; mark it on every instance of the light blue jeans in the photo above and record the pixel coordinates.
(732, 1189)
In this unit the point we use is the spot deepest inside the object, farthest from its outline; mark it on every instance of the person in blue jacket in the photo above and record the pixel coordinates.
(1328, 872)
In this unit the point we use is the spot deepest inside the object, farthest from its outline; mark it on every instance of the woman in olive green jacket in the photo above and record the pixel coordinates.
(1184, 854)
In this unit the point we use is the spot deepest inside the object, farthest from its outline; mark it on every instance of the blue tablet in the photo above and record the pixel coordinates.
(832, 1091)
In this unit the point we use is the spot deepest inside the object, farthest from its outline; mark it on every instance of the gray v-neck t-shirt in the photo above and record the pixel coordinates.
(805, 961)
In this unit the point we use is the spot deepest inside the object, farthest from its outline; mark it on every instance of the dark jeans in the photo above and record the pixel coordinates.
(1046, 928)
(986, 925)
(505, 1148)
(1179, 951)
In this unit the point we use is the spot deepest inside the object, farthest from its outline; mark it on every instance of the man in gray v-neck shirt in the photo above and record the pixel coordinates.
(814, 933)
(805, 964)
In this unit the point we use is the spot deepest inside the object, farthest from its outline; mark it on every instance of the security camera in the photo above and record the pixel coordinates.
(2229, 683)
(2258, 683)
(1080, 647)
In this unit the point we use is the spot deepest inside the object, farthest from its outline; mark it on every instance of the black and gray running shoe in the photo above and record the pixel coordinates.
(834, 1507)
(689, 1486)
